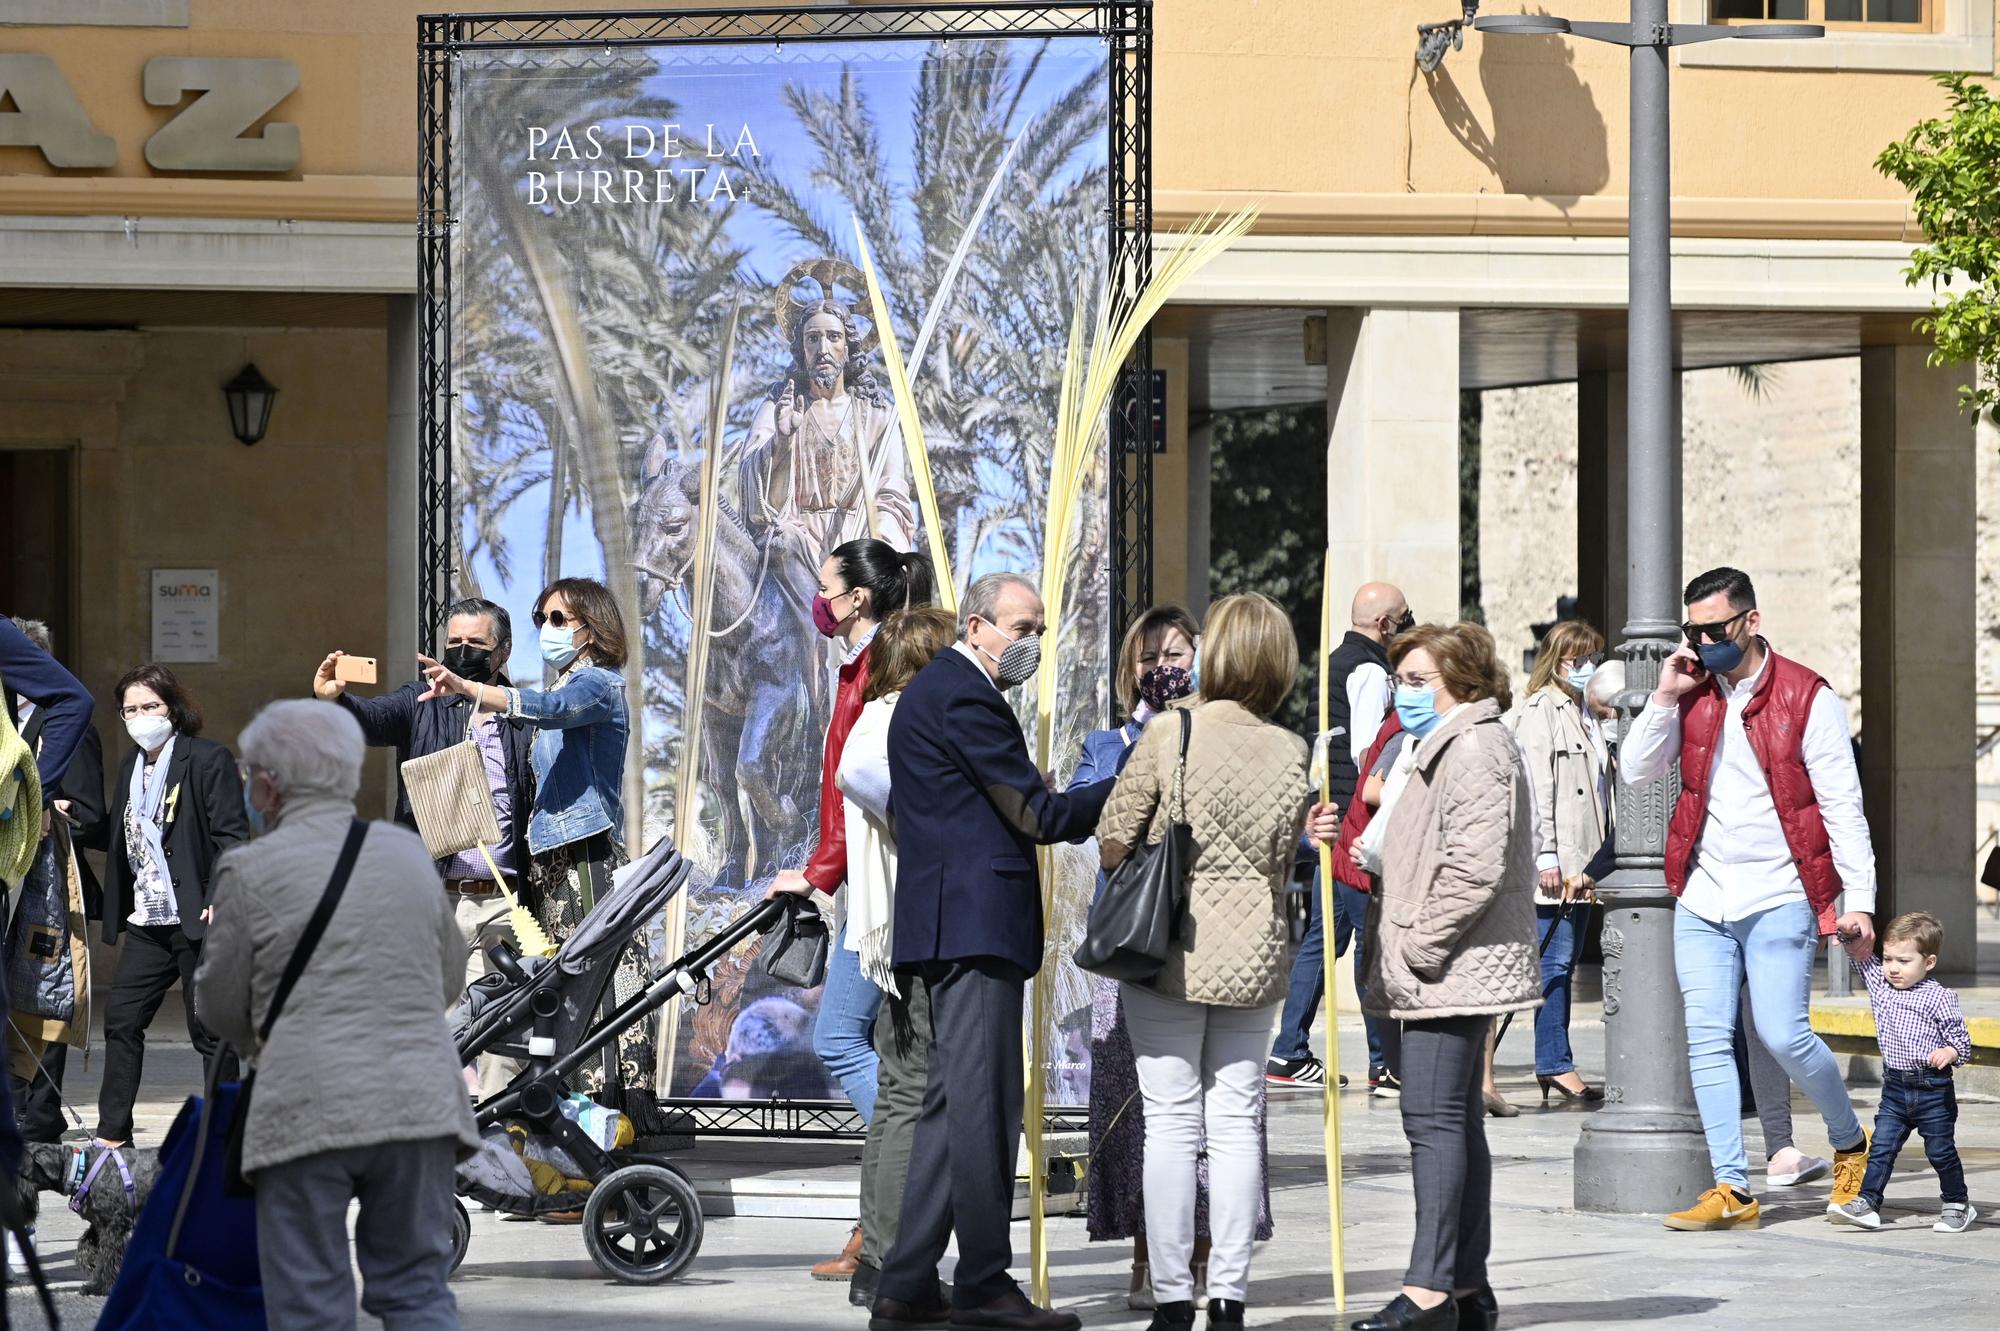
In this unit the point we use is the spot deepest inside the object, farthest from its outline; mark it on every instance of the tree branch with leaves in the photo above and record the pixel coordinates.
(1951, 166)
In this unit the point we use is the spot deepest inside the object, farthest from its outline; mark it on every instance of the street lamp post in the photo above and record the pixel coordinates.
(1644, 1151)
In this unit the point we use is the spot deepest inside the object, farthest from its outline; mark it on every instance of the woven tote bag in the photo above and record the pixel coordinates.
(450, 798)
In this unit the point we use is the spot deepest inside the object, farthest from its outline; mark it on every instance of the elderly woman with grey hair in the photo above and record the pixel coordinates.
(360, 1094)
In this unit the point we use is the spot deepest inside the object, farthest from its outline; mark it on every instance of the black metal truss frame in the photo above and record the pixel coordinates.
(812, 1120)
(1125, 27)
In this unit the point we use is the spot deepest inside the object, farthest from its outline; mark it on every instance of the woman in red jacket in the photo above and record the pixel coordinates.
(859, 583)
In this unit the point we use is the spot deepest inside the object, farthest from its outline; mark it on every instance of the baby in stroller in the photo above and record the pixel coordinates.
(546, 1146)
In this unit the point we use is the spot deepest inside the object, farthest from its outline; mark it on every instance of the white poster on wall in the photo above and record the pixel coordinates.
(186, 613)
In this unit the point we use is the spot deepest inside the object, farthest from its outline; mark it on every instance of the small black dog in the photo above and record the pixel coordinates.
(106, 1196)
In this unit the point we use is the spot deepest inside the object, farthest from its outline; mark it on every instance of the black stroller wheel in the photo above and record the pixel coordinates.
(461, 1234)
(643, 1224)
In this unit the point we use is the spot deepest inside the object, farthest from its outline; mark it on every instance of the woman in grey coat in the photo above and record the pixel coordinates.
(359, 1093)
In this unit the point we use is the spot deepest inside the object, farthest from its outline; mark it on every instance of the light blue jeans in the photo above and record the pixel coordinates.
(1775, 950)
(844, 1035)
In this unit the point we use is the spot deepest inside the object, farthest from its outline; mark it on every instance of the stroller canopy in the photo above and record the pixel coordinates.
(639, 892)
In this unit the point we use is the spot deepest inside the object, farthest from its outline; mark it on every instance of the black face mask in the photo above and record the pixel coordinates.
(469, 662)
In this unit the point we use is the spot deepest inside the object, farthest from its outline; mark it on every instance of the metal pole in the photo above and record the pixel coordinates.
(1644, 1151)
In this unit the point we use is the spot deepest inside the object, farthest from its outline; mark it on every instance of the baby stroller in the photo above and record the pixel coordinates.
(544, 1144)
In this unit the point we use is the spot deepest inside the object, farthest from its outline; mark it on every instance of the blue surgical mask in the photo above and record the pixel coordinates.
(558, 646)
(1417, 710)
(1194, 669)
(1579, 678)
(258, 823)
(1719, 658)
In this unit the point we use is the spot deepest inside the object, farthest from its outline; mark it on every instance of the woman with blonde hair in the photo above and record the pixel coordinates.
(1452, 947)
(1201, 1028)
(1566, 763)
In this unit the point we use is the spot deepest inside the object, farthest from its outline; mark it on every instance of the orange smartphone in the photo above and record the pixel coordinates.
(355, 670)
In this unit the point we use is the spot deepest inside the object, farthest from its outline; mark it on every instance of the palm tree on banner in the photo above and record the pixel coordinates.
(584, 330)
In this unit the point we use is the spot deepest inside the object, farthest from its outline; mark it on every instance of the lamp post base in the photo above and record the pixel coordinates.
(1643, 1152)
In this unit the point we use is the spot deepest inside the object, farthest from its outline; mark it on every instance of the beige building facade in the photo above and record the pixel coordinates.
(1457, 230)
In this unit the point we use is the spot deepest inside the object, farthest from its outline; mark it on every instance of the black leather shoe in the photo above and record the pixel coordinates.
(1178, 1316)
(861, 1286)
(1478, 1311)
(1012, 1311)
(1225, 1315)
(896, 1315)
(1402, 1315)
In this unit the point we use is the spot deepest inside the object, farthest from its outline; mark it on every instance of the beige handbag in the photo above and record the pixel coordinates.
(450, 798)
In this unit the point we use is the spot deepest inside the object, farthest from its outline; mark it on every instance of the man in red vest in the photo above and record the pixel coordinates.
(1767, 836)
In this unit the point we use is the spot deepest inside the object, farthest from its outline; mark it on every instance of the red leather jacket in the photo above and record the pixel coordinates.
(827, 869)
(1775, 719)
(1355, 819)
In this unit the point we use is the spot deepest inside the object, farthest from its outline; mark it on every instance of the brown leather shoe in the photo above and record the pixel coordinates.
(1012, 1311)
(843, 1266)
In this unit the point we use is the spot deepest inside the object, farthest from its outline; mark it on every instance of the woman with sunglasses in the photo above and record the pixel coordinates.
(177, 804)
(576, 833)
(1567, 764)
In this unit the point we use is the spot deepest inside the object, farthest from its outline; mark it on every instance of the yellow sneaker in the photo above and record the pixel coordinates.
(1850, 1168)
(1718, 1208)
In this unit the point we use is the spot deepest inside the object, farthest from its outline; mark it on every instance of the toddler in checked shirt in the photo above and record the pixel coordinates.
(1923, 1037)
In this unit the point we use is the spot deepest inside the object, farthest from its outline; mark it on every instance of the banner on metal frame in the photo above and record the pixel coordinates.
(668, 375)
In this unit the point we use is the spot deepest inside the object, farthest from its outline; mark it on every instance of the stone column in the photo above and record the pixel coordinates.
(1600, 500)
(400, 628)
(1392, 455)
(1918, 635)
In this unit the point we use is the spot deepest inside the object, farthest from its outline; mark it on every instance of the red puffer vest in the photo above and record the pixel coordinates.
(1359, 812)
(1775, 719)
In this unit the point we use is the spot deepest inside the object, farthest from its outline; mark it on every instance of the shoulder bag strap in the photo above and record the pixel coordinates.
(1180, 768)
(337, 885)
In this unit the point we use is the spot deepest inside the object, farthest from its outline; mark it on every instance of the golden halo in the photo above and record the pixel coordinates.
(829, 274)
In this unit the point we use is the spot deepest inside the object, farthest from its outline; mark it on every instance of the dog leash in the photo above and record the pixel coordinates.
(111, 1155)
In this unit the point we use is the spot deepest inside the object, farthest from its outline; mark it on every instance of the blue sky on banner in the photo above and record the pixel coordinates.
(733, 86)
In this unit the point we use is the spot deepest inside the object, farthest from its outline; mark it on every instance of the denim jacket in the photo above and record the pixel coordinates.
(579, 756)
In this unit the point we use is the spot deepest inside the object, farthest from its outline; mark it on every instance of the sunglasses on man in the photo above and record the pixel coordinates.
(1716, 632)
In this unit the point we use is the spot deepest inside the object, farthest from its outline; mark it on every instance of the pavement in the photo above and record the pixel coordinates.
(1552, 1266)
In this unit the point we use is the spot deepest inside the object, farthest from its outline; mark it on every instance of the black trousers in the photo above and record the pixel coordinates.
(968, 1134)
(38, 1103)
(148, 963)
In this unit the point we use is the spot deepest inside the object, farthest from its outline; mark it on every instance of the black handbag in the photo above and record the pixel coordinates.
(796, 955)
(1990, 875)
(234, 1181)
(1137, 918)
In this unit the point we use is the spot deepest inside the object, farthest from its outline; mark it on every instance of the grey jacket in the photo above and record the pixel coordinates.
(1453, 923)
(360, 1055)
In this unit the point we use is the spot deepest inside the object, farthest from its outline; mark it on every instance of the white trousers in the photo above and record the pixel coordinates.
(1201, 1069)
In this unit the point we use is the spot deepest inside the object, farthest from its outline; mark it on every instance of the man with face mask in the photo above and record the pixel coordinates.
(969, 808)
(478, 638)
(1767, 835)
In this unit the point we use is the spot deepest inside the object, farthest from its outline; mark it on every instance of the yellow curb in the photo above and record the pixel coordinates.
(1856, 1021)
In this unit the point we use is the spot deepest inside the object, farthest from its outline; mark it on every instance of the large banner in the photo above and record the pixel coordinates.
(661, 329)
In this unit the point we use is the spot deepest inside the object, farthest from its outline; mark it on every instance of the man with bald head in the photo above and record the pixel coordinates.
(1358, 697)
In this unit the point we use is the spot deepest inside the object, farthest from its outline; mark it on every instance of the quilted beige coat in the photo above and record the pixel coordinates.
(1453, 925)
(1247, 796)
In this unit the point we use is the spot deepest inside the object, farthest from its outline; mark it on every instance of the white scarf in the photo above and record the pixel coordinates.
(863, 778)
(152, 885)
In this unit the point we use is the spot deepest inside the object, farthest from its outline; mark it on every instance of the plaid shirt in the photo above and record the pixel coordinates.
(1913, 1023)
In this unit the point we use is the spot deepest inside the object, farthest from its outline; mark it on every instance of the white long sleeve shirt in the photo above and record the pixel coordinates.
(1368, 699)
(1742, 864)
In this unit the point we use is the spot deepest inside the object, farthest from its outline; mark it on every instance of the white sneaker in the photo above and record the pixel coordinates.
(1806, 1169)
(17, 1262)
(1956, 1218)
(471, 1204)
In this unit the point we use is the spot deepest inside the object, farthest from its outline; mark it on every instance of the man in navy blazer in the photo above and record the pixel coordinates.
(969, 808)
